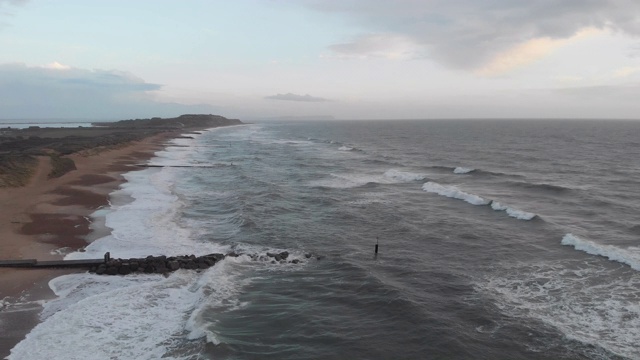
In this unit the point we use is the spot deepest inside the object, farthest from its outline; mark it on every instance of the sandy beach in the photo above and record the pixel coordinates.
(50, 214)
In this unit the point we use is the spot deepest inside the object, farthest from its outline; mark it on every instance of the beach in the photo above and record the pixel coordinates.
(47, 215)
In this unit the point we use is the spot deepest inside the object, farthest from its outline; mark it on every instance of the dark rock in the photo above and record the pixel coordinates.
(216, 257)
(124, 269)
(203, 266)
(101, 269)
(284, 254)
(295, 261)
(269, 254)
(93, 269)
(148, 269)
(233, 254)
(112, 270)
(308, 255)
(277, 257)
(173, 265)
(319, 257)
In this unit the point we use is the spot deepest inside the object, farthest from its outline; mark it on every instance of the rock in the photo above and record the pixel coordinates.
(124, 269)
(308, 255)
(295, 261)
(215, 257)
(102, 268)
(173, 265)
(284, 254)
(203, 266)
(112, 270)
(233, 254)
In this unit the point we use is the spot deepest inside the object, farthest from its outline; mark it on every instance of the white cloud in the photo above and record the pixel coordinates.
(389, 46)
(295, 97)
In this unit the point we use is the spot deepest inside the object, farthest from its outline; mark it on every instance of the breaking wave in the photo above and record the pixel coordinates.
(463, 170)
(629, 256)
(518, 214)
(453, 192)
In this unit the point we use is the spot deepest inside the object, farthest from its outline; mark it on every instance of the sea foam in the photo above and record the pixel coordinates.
(518, 214)
(403, 176)
(140, 316)
(462, 170)
(629, 256)
(586, 300)
(453, 192)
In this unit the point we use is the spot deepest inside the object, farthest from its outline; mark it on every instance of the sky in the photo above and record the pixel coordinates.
(346, 59)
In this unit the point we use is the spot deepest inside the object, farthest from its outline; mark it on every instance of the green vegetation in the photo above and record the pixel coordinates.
(60, 166)
(16, 171)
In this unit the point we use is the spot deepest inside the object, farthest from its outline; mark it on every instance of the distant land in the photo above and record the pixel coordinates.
(20, 147)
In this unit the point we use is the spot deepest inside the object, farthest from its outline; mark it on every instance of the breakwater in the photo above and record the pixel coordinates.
(163, 264)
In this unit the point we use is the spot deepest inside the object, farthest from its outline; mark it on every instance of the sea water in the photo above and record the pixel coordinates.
(498, 239)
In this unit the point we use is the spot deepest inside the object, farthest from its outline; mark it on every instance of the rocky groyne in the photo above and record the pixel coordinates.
(163, 264)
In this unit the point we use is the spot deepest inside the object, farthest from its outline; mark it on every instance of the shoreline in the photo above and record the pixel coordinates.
(51, 214)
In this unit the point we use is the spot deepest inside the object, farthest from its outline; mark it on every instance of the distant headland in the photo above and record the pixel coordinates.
(19, 148)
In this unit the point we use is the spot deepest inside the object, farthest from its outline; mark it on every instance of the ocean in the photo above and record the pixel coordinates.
(497, 240)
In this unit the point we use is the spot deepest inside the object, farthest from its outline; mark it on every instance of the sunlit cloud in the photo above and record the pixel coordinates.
(528, 52)
(57, 66)
(626, 71)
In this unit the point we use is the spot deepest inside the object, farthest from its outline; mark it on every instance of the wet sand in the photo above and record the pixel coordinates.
(50, 214)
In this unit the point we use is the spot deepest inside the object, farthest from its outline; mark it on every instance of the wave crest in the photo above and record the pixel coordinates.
(463, 170)
(518, 214)
(629, 256)
(453, 192)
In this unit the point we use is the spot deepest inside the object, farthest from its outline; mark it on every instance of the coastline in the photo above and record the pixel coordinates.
(50, 214)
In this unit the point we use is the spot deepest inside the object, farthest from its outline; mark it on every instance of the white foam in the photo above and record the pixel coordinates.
(143, 316)
(518, 214)
(629, 256)
(137, 317)
(453, 192)
(351, 180)
(586, 301)
(403, 176)
(462, 170)
(345, 148)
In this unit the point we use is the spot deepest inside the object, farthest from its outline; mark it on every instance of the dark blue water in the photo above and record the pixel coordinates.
(498, 240)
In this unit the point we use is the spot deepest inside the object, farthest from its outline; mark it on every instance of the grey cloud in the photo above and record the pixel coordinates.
(294, 97)
(466, 33)
(36, 92)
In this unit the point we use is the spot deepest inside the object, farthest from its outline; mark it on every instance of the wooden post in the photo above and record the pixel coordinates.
(107, 257)
(376, 251)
